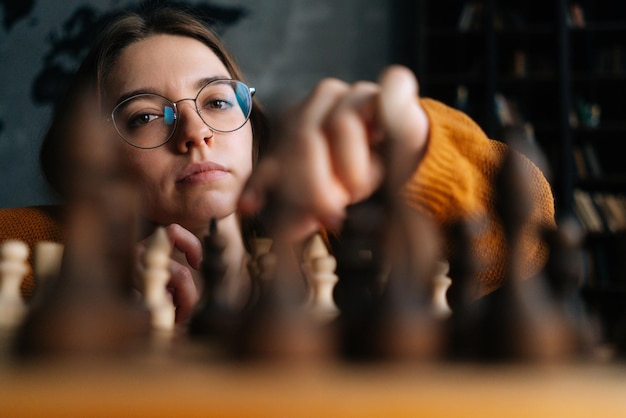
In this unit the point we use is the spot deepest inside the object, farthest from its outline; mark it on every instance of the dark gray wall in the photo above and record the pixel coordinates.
(284, 47)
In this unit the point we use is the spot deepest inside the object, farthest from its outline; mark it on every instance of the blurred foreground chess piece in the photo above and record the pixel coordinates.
(462, 294)
(518, 321)
(388, 259)
(47, 260)
(276, 325)
(90, 310)
(156, 275)
(564, 273)
(13, 267)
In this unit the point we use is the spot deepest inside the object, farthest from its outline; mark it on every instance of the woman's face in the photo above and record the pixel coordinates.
(198, 174)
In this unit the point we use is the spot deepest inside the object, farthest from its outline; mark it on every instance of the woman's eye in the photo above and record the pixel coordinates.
(141, 120)
(218, 104)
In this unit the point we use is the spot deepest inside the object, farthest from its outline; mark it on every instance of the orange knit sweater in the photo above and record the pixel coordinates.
(455, 180)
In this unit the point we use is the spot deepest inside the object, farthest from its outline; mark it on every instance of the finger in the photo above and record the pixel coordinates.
(300, 171)
(187, 243)
(403, 120)
(350, 129)
(183, 289)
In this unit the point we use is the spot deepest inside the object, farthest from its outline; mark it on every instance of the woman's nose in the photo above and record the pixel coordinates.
(192, 131)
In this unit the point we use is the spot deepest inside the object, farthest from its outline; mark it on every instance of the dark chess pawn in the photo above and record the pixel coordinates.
(463, 292)
(397, 322)
(213, 320)
(278, 326)
(564, 273)
(89, 310)
(517, 322)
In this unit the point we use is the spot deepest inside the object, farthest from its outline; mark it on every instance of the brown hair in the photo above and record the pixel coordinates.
(120, 32)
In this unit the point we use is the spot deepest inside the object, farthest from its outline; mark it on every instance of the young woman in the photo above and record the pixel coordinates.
(190, 132)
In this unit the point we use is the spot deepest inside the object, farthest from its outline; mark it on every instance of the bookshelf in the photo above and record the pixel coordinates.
(556, 68)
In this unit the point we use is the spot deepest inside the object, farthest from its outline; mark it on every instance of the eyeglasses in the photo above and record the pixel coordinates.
(149, 120)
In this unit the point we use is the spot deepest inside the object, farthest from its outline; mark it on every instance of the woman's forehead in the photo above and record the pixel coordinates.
(164, 62)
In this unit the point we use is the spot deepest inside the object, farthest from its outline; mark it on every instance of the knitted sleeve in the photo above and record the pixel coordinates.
(31, 224)
(455, 180)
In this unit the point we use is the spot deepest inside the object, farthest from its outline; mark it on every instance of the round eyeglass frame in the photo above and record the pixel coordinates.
(251, 91)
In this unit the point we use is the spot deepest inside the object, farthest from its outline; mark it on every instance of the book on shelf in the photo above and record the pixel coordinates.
(600, 211)
(610, 214)
(586, 161)
(471, 16)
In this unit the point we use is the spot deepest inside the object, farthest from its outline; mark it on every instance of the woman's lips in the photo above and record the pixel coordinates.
(201, 173)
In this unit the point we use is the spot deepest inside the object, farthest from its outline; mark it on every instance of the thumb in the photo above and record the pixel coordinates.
(404, 122)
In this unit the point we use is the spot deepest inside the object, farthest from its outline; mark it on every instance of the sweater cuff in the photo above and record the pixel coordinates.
(446, 184)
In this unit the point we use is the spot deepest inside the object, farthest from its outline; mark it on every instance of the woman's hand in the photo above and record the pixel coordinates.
(181, 286)
(328, 154)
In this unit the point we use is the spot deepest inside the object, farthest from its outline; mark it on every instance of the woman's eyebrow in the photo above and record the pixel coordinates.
(206, 80)
(134, 93)
(148, 90)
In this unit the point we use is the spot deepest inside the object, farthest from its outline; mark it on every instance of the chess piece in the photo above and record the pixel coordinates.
(441, 284)
(261, 266)
(47, 261)
(400, 324)
(517, 321)
(319, 269)
(155, 274)
(90, 309)
(213, 320)
(463, 291)
(564, 274)
(276, 326)
(13, 267)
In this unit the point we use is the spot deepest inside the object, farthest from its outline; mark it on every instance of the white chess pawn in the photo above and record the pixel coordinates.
(441, 283)
(262, 261)
(47, 259)
(319, 268)
(13, 267)
(155, 277)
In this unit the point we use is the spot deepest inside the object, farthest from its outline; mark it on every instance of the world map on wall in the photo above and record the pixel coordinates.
(69, 42)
